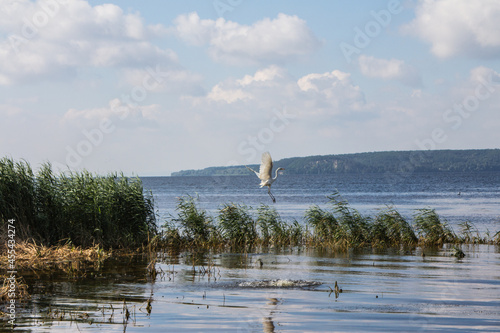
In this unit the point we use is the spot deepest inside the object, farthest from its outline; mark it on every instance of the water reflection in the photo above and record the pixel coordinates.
(388, 290)
(267, 321)
(93, 297)
(268, 325)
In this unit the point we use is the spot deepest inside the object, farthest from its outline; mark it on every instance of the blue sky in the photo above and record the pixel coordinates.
(153, 87)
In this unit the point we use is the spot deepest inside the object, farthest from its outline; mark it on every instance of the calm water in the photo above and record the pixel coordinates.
(457, 197)
(383, 290)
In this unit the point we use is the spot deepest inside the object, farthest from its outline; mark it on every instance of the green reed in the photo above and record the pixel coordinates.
(342, 225)
(236, 225)
(76, 207)
(469, 233)
(339, 226)
(431, 229)
(391, 229)
(354, 228)
(196, 225)
(17, 193)
(324, 224)
(274, 231)
(496, 238)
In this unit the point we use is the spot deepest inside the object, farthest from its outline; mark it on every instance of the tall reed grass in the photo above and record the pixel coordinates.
(342, 225)
(77, 207)
(196, 225)
(339, 226)
(276, 232)
(391, 229)
(236, 225)
(432, 229)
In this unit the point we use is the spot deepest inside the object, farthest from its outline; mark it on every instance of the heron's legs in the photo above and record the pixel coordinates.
(270, 194)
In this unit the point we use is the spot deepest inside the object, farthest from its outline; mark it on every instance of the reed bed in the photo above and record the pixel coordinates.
(89, 211)
(339, 226)
(197, 225)
(236, 225)
(432, 229)
(85, 209)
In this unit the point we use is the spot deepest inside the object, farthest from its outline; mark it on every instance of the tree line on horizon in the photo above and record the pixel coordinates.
(374, 162)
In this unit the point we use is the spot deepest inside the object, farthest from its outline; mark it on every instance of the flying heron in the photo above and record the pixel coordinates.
(265, 173)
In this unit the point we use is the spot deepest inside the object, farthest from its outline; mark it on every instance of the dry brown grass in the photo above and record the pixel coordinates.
(30, 255)
(21, 291)
(68, 259)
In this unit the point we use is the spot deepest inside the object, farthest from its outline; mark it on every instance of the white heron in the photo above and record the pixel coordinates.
(265, 173)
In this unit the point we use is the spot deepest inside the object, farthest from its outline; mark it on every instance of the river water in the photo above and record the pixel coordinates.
(293, 290)
(457, 197)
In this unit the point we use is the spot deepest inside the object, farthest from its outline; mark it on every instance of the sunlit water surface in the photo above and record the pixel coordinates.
(382, 290)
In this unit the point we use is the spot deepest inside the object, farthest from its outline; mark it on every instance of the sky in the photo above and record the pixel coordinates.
(152, 87)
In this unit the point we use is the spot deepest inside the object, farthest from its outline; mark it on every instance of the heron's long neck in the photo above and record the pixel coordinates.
(276, 176)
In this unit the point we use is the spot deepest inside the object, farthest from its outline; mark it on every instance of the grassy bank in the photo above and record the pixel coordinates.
(76, 207)
(339, 226)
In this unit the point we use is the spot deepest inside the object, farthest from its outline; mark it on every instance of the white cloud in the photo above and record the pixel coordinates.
(53, 38)
(240, 113)
(266, 88)
(252, 97)
(268, 40)
(115, 112)
(386, 69)
(218, 93)
(393, 69)
(331, 92)
(322, 82)
(457, 27)
(263, 76)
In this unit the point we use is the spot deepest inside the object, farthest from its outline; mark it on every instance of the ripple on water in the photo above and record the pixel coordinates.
(292, 291)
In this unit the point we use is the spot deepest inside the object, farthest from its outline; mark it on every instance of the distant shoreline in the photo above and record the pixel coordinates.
(472, 160)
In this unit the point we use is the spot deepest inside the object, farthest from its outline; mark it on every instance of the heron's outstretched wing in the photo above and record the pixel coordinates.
(252, 170)
(266, 167)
